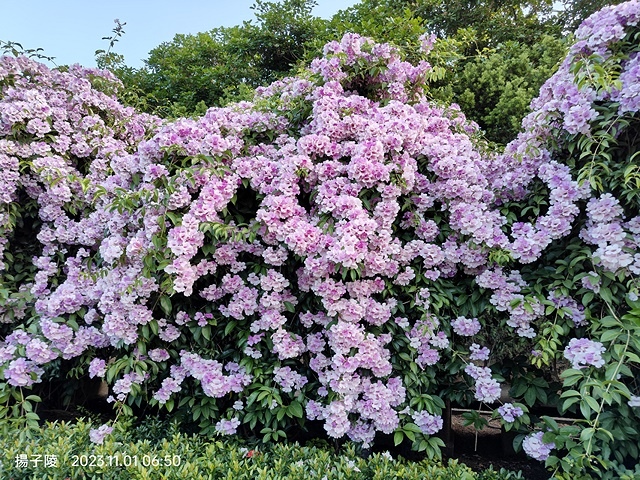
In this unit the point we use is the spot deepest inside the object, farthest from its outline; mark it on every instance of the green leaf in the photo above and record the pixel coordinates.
(586, 298)
(530, 396)
(609, 335)
(412, 427)
(593, 403)
(568, 402)
(165, 304)
(206, 332)
(230, 326)
(296, 409)
(587, 434)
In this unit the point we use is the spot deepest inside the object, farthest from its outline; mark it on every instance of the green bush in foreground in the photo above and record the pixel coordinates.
(124, 455)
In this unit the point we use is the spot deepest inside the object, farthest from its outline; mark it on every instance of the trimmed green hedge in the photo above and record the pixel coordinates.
(142, 453)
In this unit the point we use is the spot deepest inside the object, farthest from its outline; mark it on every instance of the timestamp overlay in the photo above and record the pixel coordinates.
(123, 459)
(90, 461)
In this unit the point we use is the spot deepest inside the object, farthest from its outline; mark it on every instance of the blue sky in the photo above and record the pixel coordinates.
(72, 30)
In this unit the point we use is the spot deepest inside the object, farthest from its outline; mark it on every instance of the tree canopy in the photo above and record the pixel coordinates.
(491, 56)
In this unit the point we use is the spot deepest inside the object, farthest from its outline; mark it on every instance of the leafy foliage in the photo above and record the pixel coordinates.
(176, 456)
(194, 72)
(497, 85)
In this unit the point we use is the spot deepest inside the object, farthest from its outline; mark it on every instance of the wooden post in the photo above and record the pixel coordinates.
(447, 431)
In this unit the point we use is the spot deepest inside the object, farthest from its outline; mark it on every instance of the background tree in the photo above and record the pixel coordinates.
(193, 72)
(492, 55)
(496, 86)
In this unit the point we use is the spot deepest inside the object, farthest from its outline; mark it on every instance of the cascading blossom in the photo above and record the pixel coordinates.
(290, 233)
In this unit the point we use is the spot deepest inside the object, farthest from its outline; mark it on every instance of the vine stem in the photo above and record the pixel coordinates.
(615, 374)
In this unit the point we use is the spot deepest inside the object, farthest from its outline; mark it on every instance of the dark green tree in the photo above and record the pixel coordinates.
(495, 87)
(495, 21)
(193, 72)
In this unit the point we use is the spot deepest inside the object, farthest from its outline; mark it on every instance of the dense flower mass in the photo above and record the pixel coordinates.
(305, 253)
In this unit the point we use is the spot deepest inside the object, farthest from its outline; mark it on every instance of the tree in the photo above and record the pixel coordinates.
(193, 72)
(496, 86)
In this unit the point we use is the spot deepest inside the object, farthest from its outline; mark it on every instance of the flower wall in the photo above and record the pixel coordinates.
(339, 249)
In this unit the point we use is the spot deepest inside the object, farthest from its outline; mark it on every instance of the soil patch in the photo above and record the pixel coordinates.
(491, 446)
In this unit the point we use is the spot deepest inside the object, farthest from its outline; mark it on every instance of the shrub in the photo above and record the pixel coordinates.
(180, 456)
(340, 249)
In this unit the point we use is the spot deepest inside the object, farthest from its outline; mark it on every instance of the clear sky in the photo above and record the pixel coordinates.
(72, 30)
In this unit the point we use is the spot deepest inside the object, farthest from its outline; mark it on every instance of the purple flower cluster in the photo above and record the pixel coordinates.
(582, 352)
(466, 327)
(507, 297)
(288, 379)
(478, 353)
(569, 306)
(21, 372)
(97, 435)
(618, 242)
(428, 424)
(97, 368)
(227, 427)
(531, 239)
(487, 389)
(426, 342)
(509, 412)
(536, 448)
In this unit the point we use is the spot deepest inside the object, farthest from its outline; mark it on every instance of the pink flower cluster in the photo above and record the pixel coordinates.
(618, 242)
(582, 352)
(536, 448)
(509, 412)
(298, 230)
